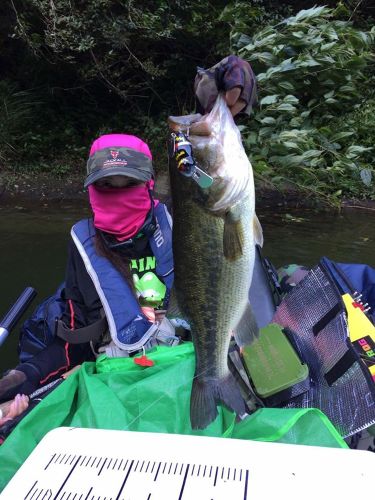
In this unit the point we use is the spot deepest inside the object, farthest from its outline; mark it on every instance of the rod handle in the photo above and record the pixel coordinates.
(15, 312)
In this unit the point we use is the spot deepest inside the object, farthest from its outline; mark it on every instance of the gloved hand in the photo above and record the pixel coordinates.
(233, 76)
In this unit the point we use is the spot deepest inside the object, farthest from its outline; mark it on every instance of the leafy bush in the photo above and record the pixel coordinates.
(311, 71)
(16, 111)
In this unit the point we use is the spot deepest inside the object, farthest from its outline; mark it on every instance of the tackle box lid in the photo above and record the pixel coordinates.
(272, 363)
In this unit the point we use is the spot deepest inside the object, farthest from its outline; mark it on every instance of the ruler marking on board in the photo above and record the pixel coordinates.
(67, 468)
(88, 493)
(184, 482)
(217, 470)
(126, 478)
(67, 477)
(48, 492)
(53, 456)
(157, 472)
(217, 474)
(246, 484)
(103, 464)
(30, 490)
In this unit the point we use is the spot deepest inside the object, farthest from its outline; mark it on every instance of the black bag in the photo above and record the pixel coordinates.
(39, 330)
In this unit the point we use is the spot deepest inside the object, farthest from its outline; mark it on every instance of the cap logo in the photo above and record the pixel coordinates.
(114, 159)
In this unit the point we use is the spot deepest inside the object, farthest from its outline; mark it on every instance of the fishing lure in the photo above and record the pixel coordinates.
(181, 150)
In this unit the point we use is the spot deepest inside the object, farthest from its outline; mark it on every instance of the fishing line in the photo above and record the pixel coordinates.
(159, 399)
(178, 386)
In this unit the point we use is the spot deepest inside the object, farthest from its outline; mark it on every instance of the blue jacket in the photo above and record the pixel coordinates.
(128, 326)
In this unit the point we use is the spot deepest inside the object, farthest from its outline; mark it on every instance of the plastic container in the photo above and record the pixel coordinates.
(274, 367)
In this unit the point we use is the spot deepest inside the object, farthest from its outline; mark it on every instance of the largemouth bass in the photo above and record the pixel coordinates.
(214, 251)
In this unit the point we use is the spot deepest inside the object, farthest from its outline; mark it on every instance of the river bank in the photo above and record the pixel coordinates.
(45, 189)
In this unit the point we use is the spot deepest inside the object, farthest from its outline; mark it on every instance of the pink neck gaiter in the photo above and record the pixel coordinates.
(121, 211)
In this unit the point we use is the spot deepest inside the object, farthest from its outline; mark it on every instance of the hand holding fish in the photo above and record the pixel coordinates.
(234, 78)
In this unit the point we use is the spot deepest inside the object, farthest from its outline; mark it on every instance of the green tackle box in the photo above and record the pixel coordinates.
(274, 367)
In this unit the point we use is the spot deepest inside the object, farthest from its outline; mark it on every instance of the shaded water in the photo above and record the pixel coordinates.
(33, 247)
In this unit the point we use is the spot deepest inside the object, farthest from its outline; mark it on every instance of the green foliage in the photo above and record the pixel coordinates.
(16, 111)
(311, 71)
(122, 66)
(136, 49)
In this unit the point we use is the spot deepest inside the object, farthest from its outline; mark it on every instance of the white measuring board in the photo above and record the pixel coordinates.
(92, 464)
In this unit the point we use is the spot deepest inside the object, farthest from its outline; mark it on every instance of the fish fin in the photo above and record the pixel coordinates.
(247, 329)
(207, 394)
(233, 237)
(258, 231)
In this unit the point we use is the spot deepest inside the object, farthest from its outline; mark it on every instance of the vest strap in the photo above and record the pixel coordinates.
(82, 335)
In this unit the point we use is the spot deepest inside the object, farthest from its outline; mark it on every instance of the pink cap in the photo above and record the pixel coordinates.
(118, 141)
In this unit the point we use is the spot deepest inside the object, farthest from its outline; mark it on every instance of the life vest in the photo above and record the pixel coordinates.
(129, 327)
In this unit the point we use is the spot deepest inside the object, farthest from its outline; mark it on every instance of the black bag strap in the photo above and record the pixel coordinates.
(327, 318)
(342, 365)
(82, 335)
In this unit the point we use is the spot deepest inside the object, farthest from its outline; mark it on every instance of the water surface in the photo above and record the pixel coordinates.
(34, 240)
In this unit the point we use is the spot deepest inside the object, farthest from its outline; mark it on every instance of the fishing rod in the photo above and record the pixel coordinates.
(11, 318)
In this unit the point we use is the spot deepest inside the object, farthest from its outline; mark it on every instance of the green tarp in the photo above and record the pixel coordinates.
(118, 394)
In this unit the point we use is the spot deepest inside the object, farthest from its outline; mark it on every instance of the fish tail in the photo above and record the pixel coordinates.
(206, 394)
